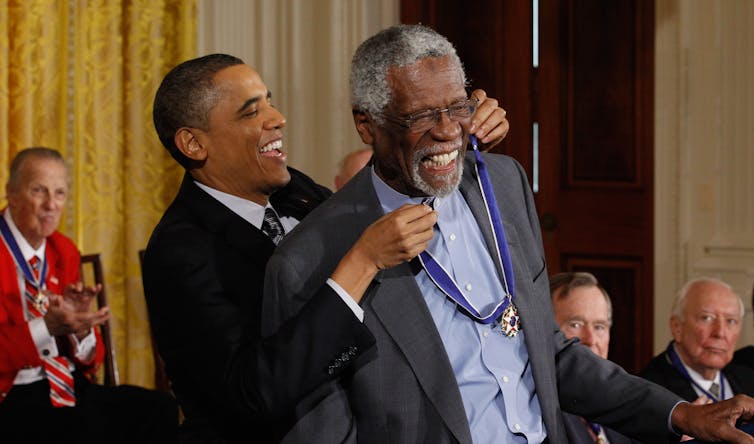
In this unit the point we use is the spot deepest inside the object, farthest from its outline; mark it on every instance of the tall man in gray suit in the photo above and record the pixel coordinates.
(467, 347)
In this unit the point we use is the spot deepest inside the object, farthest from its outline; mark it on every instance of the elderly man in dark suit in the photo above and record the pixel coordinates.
(583, 310)
(705, 324)
(468, 350)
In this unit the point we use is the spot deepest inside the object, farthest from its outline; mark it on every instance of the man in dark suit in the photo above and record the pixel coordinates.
(583, 310)
(705, 324)
(204, 265)
(468, 349)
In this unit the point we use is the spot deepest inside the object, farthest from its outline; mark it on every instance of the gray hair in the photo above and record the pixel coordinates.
(397, 46)
(38, 152)
(572, 280)
(680, 299)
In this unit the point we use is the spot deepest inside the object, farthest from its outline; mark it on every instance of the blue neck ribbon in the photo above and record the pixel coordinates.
(442, 278)
(675, 361)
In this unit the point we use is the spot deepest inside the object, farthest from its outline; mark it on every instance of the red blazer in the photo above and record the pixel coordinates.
(17, 349)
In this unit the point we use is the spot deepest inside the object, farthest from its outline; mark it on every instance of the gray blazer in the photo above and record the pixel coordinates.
(408, 393)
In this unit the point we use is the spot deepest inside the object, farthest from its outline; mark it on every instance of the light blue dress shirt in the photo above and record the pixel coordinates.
(492, 370)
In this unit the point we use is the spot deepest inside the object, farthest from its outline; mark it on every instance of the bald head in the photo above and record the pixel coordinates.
(350, 165)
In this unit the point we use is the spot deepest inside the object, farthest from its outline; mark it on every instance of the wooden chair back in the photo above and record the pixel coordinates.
(91, 266)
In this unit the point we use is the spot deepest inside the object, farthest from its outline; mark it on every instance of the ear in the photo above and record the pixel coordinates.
(364, 126)
(187, 143)
(675, 328)
(10, 195)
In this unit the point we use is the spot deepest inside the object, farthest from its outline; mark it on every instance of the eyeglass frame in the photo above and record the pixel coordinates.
(406, 121)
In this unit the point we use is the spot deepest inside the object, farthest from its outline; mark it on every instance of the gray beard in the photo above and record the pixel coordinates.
(450, 183)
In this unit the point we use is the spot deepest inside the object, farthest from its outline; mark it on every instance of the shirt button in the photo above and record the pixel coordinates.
(468, 287)
(452, 237)
(486, 333)
(517, 427)
(46, 352)
(505, 379)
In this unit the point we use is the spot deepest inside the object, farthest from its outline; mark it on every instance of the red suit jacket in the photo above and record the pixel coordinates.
(17, 348)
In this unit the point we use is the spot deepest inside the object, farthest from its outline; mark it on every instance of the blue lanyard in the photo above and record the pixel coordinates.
(675, 360)
(10, 241)
(442, 279)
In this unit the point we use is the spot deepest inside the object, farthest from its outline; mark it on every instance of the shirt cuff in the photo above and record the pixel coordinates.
(42, 338)
(358, 311)
(85, 348)
(670, 419)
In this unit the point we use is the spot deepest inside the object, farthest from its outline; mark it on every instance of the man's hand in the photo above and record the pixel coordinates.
(64, 316)
(715, 422)
(394, 238)
(488, 123)
(79, 297)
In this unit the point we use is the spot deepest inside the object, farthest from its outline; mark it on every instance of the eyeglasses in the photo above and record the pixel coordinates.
(422, 121)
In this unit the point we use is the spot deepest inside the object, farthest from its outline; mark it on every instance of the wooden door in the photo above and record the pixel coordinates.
(581, 125)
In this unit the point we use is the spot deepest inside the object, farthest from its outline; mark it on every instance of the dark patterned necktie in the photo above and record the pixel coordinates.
(714, 389)
(271, 225)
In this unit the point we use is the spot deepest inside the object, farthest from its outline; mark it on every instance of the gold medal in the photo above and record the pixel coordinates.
(510, 322)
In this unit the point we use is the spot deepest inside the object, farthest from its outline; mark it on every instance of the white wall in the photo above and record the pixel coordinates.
(704, 150)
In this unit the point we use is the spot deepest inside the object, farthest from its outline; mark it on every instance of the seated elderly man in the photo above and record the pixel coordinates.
(583, 310)
(49, 342)
(705, 324)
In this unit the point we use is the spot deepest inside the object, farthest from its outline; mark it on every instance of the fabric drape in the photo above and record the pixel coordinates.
(80, 77)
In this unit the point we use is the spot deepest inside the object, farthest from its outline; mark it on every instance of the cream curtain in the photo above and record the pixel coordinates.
(80, 76)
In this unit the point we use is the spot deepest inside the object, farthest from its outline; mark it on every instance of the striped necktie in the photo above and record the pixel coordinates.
(271, 226)
(58, 369)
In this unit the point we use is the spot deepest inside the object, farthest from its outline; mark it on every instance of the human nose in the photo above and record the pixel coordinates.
(275, 120)
(445, 127)
(718, 328)
(587, 336)
(49, 202)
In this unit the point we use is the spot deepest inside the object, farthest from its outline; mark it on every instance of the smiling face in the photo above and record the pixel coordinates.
(37, 200)
(706, 336)
(241, 151)
(583, 313)
(430, 162)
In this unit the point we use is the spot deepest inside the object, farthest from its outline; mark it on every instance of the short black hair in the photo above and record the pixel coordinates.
(185, 98)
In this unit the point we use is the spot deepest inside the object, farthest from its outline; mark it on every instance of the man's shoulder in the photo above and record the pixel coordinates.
(62, 244)
(300, 196)
(744, 356)
(658, 369)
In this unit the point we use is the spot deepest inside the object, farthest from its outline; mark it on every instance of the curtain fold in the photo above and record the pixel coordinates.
(80, 76)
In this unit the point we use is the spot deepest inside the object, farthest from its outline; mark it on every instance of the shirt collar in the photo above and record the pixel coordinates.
(392, 200)
(249, 211)
(26, 249)
(696, 376)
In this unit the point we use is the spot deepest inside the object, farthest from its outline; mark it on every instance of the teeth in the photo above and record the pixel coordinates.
(440, 160)
(276, 145)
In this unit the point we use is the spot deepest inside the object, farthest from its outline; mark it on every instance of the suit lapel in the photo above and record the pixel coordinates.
(539, 346)
(239, 235)
(399, 305)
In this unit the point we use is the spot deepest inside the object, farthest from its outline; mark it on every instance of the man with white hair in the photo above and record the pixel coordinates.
(705, 324)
